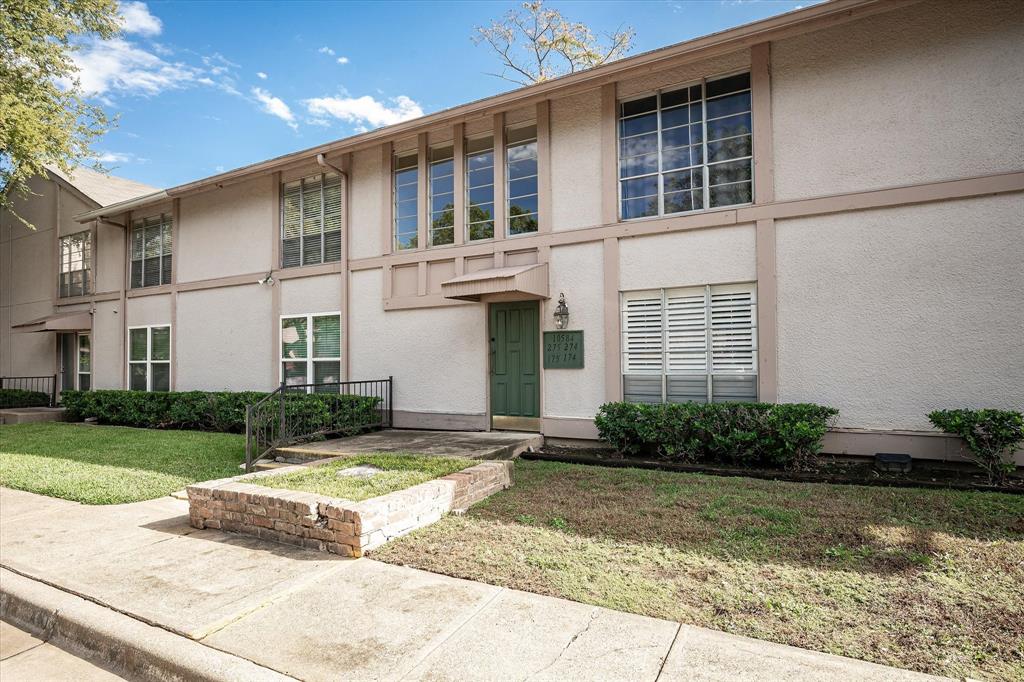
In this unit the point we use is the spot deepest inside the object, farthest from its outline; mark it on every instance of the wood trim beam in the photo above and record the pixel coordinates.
(612, 335)
(459, 159)
(387, 200)
(500, 209)
(761, 103)
(544, 217)
(767, 303)
(423, 210)
(609, 157)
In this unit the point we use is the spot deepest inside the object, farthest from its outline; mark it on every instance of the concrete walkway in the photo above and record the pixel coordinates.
(469, 444)
(26, 657)
(300, 614)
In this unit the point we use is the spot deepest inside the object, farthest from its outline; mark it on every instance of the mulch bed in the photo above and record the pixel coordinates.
(832, 469)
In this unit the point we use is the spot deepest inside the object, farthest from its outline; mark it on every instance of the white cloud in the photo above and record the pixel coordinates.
(135, 18)
(119, 66)
(219, 169)
(119, 157)
(275, 107)
(326, 50)
(343, 60)
(364, 110)
(262, 76)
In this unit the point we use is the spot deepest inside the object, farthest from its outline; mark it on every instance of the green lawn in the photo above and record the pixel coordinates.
(922, 579)
(400, 470)
(112, 464)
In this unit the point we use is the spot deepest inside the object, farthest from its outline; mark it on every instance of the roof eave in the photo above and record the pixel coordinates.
(122, 206)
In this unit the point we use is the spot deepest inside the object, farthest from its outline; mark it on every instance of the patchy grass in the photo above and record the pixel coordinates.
(112, 464)
(400, 471)
(927, 580)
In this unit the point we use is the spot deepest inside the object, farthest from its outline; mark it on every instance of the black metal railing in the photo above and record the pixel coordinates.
(294, 413)
(43, 384)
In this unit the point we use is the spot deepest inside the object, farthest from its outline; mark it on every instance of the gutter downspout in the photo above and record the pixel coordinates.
(324, 163)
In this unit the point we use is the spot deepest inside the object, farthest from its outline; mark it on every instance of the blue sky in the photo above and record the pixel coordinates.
(202, 87)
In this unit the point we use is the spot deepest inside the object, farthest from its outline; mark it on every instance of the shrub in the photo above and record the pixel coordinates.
(16, 397)
(744, 434)
(991, 436)
(218, 411)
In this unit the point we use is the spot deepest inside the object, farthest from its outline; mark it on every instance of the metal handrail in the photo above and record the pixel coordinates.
(293, 413)
(34, 383)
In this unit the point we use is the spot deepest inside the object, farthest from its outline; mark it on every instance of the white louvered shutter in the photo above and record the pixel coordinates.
(734, 329)
(642, 333)
(332, 218)
(686, 333)
(291, 225)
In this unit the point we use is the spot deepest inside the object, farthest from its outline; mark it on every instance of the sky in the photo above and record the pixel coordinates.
(203, 87)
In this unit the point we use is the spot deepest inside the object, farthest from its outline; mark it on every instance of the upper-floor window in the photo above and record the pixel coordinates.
(149, 358)
(151, 251)
(75, 264)
(521, 179)
(442, 195)
(686, 149)
(480, 188)
(406, 201)
(311, 220)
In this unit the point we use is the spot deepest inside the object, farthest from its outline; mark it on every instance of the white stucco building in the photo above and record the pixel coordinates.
(825, 206)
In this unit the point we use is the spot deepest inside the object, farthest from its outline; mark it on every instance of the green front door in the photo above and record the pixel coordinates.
(515, 360)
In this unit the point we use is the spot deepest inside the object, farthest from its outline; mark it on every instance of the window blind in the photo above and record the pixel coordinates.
(311, 221)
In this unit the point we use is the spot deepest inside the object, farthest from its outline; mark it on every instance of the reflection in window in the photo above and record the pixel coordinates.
(480, 188)
(75, 264)
(311, 352)
(521, 176)
(149, 358)
(406, 201)
(442, 195)
(686, 149)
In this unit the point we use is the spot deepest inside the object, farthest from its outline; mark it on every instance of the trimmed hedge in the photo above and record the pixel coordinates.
(16, 397)
(991, 436)
(217, 411)
(743, 434)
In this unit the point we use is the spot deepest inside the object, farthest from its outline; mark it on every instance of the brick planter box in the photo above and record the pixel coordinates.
(241, 505)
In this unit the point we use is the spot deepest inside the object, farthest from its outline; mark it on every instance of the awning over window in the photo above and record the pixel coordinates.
(514, 283)
(79, 321)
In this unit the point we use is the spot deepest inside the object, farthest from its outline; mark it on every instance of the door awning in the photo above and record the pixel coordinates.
(80, 321)
(513, 283)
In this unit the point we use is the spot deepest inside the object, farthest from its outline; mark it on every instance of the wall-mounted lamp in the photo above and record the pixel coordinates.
(561, 313)
(269, 279)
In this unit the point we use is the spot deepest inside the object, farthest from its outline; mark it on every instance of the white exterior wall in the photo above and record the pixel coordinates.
(715, 256)
(226, 231)
(224, 339)
(889, 314)
(438, 356)
(366, 197)
(149, 310)
(934, 91)
(320, 294)
(108, 369)
(576, 161)
(578, 271)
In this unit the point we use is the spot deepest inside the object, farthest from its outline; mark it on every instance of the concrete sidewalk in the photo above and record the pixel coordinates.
(310, 616)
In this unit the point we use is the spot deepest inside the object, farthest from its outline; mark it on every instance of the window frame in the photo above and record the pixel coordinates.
(310, 360)
(709, 371)
(396, 245)
(508, 180)
(467, 204)
(86, 261)
(703, 166)
(166, 224)
(322, 179)
(149, 361)
(431, 162)
(78, 360)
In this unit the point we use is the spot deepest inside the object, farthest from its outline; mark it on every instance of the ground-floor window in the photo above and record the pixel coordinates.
(690, 344)
(84, 362)
(149, 358)
(311, 351)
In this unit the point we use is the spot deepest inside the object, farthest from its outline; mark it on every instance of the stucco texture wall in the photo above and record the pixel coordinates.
(108, 368)
(366, 196)
(576, 161)
(320, 294)
(226, 231)
(715, 256)
(684, 74)
(933, 91)
(225, 340)
(892, 313)
(109, 275)
(578, 272)
(149, 310)
(437, 355)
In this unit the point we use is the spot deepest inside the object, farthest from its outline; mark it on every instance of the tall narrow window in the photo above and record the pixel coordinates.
(151, 251)
(311, 221)
(149, 358)
(75, 264)
(480, 188)
(406, 201)
(686, 149)
(521, 174)
(692, 344)
(442, 195)
(84, 363)
(311, 351)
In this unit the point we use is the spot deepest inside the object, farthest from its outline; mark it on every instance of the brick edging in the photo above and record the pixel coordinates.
(336, 525)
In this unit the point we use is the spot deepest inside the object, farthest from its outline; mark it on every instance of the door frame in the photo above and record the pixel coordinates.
(511, 423)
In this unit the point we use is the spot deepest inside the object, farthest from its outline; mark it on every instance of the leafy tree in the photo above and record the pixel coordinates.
(44, 118)
(536, 43)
